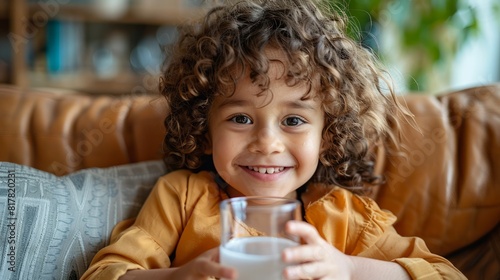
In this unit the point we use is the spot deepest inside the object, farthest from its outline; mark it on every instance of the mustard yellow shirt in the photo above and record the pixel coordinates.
(180, 220)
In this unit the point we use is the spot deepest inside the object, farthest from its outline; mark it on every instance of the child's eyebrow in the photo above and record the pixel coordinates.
(301, 104)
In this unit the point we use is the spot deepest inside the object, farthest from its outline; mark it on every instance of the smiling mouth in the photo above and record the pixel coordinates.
(266, 170)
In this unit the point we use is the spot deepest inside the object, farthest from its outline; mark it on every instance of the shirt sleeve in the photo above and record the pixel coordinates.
(114, 260)
(161, 219)
(357, 226)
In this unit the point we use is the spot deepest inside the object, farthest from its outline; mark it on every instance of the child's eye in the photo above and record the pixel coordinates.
(293, 121)
(241, 119)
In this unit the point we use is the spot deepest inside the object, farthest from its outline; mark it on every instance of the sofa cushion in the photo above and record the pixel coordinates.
(52, 226)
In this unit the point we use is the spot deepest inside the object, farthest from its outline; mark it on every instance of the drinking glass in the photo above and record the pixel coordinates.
(253, 235)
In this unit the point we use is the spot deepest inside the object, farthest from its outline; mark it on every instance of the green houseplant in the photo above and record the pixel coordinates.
(422, 37)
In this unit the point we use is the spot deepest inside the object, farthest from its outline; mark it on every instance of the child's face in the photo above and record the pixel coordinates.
(266, 145)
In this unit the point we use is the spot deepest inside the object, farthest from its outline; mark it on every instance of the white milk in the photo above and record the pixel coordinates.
(256, 257)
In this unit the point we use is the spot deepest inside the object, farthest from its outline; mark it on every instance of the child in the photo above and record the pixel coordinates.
(270, 98)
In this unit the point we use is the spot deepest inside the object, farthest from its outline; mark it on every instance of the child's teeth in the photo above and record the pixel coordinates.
(264, 170)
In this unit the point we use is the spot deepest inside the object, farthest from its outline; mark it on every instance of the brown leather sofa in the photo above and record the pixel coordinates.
(443, 184)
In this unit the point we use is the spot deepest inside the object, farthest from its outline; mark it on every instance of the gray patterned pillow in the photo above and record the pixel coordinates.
(51, 227)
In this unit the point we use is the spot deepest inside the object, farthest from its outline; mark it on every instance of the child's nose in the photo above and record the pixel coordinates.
(266, 141)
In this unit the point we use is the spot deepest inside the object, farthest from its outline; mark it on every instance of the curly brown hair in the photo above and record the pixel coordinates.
(358, 102)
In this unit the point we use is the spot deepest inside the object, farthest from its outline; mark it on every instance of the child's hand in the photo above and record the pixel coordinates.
(205, 266)
(316, 259)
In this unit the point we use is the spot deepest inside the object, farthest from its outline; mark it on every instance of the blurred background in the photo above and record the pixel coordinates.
(115, 46)
(430, 46)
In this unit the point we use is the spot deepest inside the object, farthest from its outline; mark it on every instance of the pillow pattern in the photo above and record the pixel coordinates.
(52, 226)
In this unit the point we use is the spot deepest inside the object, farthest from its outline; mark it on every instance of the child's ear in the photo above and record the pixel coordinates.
(208, 144)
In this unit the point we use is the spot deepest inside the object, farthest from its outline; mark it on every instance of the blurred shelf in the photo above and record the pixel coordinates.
(166, 15)
(87, 82)
(4, 10)
(64, 36)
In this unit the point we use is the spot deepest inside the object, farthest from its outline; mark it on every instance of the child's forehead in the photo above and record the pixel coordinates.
(279, 66)
(250, 95)
(276, 59)
(261, 80)
(278, 88)
(275, 54)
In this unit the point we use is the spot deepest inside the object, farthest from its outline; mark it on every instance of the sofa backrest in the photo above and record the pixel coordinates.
(444, 182)
(63, 131)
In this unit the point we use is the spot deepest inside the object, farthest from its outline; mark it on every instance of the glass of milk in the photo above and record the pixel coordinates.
(253, 235)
